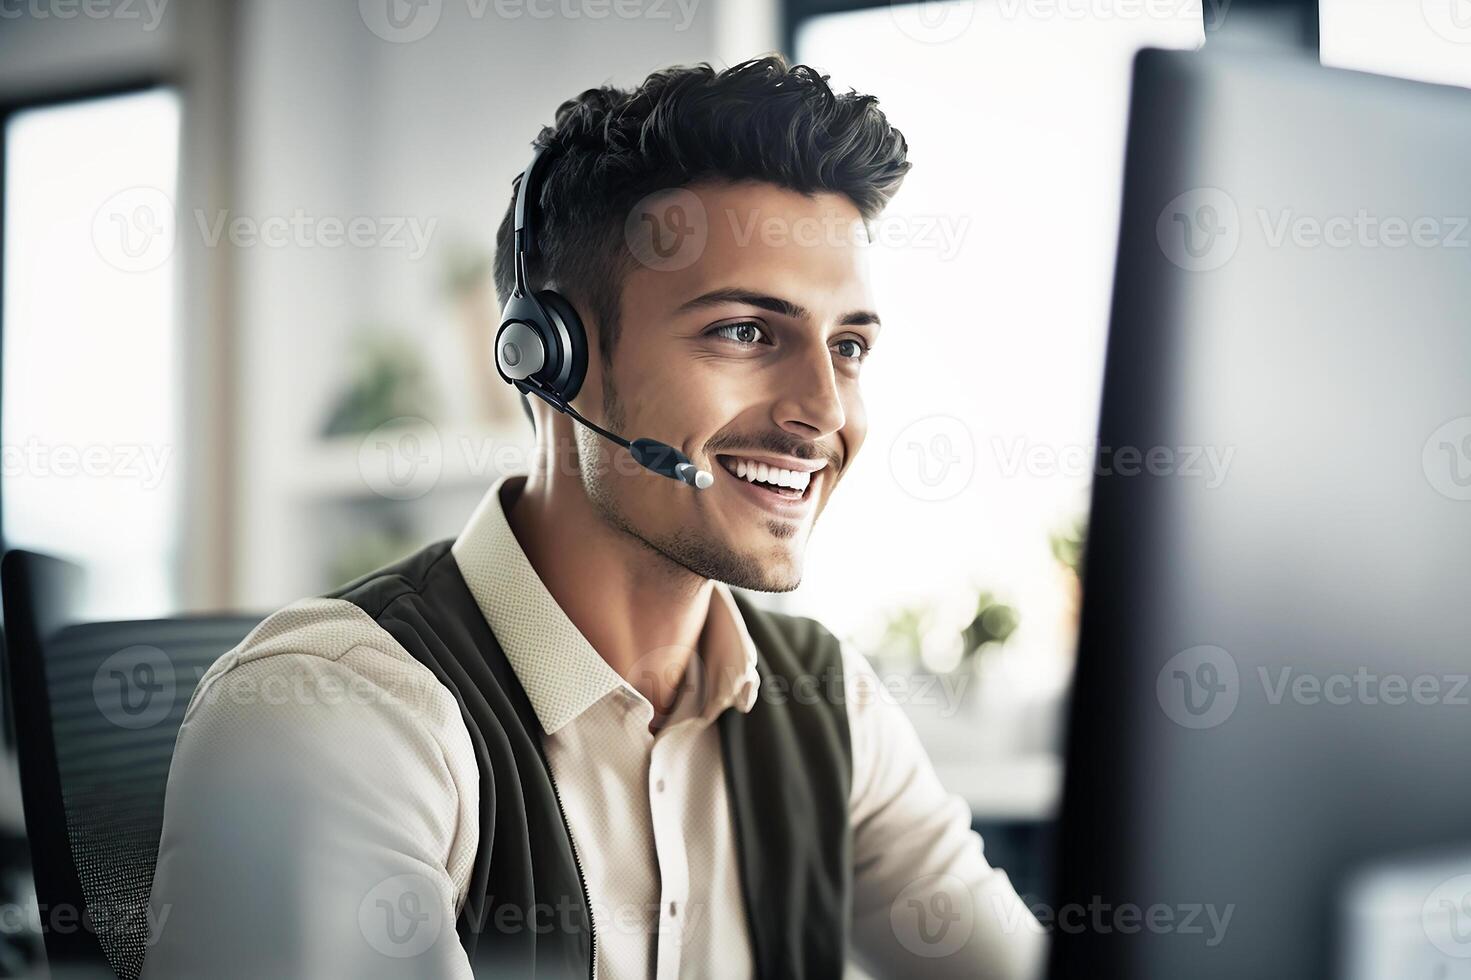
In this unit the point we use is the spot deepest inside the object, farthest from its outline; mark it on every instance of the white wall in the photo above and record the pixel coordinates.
(293, 107)
(338, 119)
(65, 48)
(42, 50)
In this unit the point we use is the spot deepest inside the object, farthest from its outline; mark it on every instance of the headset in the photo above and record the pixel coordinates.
(541, 346)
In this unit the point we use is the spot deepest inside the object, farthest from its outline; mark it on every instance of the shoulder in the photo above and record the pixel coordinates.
(327, 641)
(320, 701)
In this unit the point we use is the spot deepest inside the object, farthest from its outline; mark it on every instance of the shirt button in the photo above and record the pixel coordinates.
(659, 786)
(673, 909)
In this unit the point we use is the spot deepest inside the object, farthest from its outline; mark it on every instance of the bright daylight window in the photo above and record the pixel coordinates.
(993, 272)
(89, 421)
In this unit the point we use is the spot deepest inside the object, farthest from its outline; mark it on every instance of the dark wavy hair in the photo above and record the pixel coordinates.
(761, 120)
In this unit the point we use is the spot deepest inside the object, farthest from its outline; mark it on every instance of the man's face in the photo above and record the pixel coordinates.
(741, 352)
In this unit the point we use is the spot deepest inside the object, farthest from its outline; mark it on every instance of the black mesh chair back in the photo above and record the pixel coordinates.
(97, 709)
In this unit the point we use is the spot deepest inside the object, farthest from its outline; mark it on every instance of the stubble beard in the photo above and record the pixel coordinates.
(688, 548)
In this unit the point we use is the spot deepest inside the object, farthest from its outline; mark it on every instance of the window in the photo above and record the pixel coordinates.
(1429, 40)
(993, 273)
(88, 418)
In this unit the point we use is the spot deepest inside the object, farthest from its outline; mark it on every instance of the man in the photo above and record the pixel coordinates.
(562, 744)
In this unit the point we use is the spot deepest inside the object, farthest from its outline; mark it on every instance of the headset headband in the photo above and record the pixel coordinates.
(527, 199)
(547, 325)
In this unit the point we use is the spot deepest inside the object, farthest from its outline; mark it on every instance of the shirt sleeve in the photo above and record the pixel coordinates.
(925, 902)
(309, 819)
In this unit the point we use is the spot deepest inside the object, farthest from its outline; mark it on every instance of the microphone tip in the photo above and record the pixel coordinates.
(703, 479)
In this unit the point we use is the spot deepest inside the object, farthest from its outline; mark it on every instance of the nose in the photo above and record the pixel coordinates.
(811, 403)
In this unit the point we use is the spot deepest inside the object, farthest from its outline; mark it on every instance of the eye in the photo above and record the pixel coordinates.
(745, 332)
(858, 350)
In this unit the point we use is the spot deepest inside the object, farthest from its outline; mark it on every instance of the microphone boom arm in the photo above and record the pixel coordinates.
(651, 454)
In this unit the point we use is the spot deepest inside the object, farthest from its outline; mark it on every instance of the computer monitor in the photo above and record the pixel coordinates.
(1269, 750)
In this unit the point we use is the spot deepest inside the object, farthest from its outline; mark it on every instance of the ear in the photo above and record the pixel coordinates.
(581, 305)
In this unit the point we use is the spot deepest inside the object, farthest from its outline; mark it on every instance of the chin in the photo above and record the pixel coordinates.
(771, 584)
(782, 574)
(758, 570)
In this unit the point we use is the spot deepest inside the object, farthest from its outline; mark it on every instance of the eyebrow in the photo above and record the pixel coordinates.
(783, 307)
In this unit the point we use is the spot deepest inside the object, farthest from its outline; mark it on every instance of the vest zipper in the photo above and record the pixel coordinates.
(592, 931)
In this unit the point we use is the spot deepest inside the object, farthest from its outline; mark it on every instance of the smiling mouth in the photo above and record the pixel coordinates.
(786, 485)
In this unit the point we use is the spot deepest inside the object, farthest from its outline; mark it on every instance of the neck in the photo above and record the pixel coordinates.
(641, 612)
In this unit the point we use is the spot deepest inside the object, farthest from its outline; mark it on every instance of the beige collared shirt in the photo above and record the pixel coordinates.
(334, 836)
(648, 813)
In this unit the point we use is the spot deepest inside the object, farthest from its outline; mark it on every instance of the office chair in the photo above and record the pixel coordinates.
(97, 708)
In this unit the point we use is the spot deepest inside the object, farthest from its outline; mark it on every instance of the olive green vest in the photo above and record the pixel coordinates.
(788, 767)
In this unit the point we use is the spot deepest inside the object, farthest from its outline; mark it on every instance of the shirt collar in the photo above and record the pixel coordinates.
(561, 672)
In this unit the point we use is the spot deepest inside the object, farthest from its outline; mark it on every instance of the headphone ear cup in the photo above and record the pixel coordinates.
(520, 348)
(569, 338)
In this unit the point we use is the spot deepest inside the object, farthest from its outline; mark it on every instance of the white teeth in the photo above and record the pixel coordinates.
(753, 472)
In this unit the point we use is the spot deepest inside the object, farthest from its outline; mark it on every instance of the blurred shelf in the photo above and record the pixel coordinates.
(999, 753)
(405, 463)
(1022, 788)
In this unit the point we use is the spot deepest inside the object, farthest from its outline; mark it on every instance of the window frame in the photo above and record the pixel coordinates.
(1302, 16)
